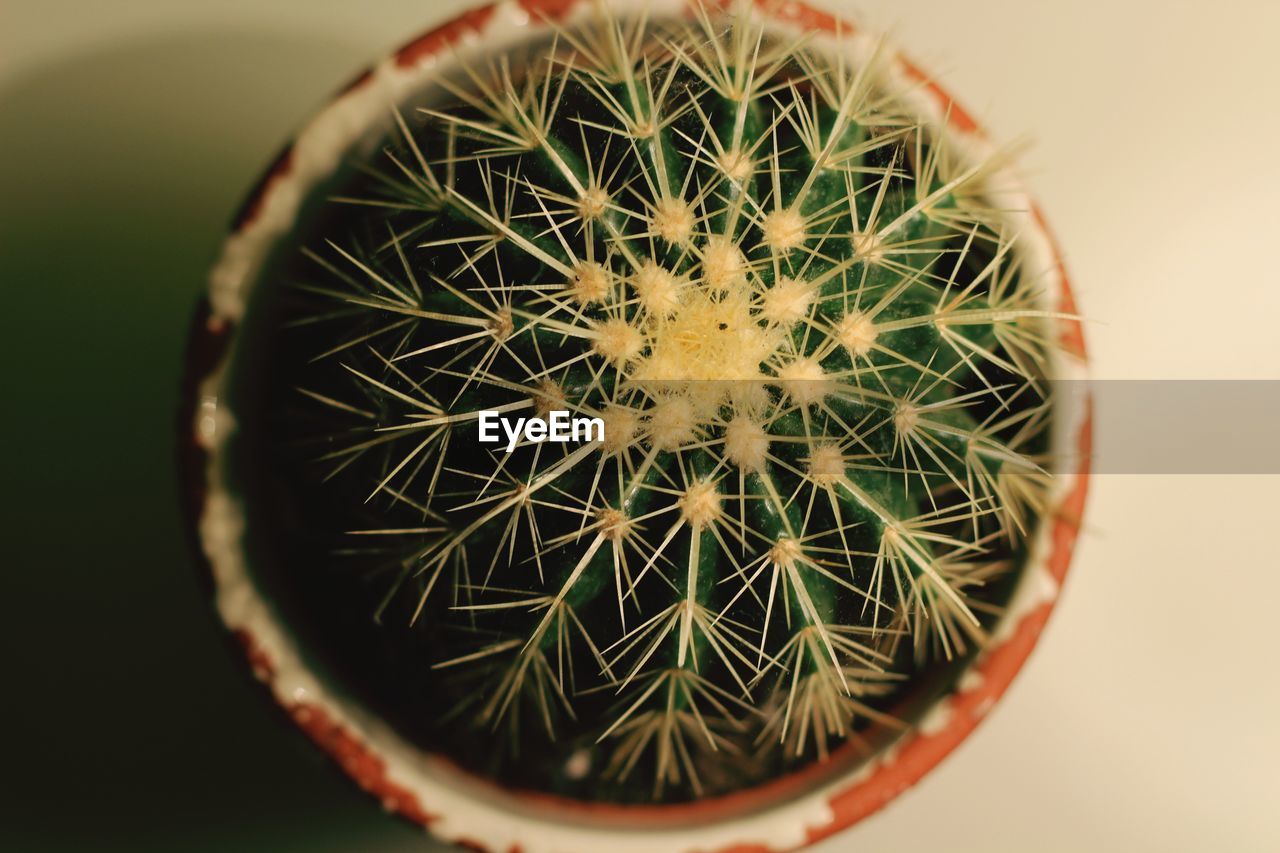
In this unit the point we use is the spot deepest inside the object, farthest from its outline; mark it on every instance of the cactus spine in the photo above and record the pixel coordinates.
(818, 363)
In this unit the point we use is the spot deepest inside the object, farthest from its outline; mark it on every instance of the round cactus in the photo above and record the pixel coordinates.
(818, 365)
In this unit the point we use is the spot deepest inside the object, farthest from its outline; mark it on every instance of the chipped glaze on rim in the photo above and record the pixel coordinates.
(793, 811)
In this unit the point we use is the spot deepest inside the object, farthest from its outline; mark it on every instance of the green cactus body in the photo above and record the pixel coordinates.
(819, 369)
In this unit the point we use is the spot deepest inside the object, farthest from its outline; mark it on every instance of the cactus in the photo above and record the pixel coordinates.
(818, 362)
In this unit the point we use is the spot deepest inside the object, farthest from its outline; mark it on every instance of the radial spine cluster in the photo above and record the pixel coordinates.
(819, 364)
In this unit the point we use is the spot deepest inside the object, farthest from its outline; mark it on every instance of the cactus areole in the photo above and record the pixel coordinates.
(637, 416)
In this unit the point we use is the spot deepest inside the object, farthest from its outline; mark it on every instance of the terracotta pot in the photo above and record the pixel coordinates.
(789, 812)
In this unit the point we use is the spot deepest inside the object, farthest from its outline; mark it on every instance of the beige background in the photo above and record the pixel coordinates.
(1149, 716)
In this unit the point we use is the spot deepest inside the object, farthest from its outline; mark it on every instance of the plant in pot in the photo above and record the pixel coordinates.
(637, 426)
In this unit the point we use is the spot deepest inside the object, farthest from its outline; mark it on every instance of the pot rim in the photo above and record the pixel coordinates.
(795, 810)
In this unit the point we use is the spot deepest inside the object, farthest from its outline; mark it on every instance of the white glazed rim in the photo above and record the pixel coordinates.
(432, 791)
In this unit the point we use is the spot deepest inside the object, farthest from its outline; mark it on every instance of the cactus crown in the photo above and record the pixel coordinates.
(819, 368)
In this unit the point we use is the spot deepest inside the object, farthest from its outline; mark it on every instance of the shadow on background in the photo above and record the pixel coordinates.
(129, 724)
